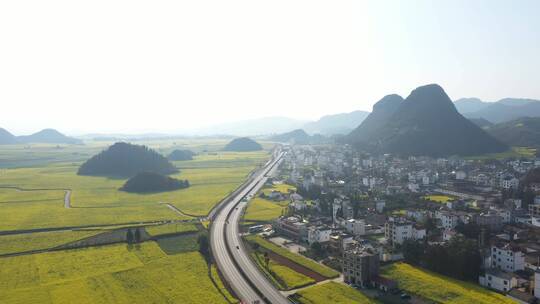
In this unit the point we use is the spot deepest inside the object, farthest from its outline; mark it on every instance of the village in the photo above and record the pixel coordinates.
(469, 219)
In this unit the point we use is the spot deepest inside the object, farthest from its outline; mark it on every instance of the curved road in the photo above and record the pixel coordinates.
(249, 284)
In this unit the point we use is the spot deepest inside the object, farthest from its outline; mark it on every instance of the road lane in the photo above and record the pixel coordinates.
(233, 260)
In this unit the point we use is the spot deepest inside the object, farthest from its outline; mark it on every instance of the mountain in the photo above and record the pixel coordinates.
(49, 136)
(261, 126)
(341, 123)
(425, 123)
(123, 159)
(502, 112)
(506, 109)
(469, 105)
(181, 155)
(523, 132)
(150, 182)
(242, 144)
(481, 122)
(7, 138)
(382, 112)
(299, 137)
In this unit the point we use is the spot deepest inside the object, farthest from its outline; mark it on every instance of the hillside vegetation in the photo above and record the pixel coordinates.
(425, 123)
(123, 159)
(522, 132)
(147, 182)
(243, 144)
(178, 155)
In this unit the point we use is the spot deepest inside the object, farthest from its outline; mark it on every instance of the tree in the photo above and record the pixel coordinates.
(430, 224)
(137, 236)
(317, 249)
(129, 237)
(413, 251)
(266, 259)
(204, 246)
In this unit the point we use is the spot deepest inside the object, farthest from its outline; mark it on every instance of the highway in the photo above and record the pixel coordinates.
(232, 259)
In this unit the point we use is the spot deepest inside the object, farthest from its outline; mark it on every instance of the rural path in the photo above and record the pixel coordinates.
(293, 291)
(67, 192)
(175, 209)
(67, 199)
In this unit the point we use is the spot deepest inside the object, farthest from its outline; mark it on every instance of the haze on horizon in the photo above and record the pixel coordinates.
(169, 66)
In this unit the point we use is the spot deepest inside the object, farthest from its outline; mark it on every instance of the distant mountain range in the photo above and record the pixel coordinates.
(425, 123)
(260, 126)
(504, 110)
(342, 123)
(299, 137)
(7, 138)
(49, 136)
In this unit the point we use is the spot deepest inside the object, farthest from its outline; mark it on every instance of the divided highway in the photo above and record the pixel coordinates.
(232, 259)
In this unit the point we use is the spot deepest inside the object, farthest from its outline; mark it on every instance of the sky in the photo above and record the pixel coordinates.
(169, 66)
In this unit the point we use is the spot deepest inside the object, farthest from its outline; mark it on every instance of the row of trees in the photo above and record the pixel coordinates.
(133, 238)
(459, 258)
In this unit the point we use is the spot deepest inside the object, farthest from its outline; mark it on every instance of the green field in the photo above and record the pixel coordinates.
(96, 200)
(282, 276)
(179, 243)
(332, 292)
(514, 152)
(108, 274)
(175, 228)
(321, 269)
(41, 240)
(440, 289)
(438, 198)
(265, 210)
(33, 180)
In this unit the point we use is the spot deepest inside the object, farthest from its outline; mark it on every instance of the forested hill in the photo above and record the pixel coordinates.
(243, 144)
(123, 159)
(147, 182)
(181, 155)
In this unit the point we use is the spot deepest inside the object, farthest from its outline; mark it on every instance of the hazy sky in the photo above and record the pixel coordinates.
(139, 66)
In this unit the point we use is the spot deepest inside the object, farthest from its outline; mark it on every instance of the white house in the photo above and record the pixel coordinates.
(355, 226)
(448, 234)
(508, 182)
(507, 257)
(461, 175)
(448, 219)
(498, 280)
(379, 205)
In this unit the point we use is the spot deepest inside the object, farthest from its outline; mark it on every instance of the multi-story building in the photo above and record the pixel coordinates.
(490, 220)
(360, 266)
(509, 182)
(534, 210)
(355, 226)
(507, 257)
(339, 242)
(292, 227)
(318, 234)
(397, 230)
(447, 218)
